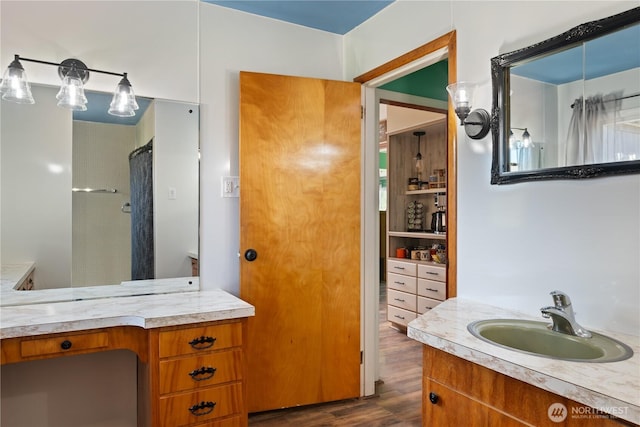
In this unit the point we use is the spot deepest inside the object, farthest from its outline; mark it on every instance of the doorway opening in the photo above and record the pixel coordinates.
(442, 48)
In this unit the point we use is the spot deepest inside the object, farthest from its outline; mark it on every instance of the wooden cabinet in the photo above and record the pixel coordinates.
(196, 375)
(192, 375)
(457, 392)
(414, 285)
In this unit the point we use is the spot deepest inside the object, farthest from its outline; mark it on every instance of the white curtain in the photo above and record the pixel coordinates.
(586, 139)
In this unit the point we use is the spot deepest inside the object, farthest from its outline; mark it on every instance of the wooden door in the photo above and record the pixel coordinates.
(300, 212)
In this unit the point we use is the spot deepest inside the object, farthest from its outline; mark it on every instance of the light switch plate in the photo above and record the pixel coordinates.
(230, 186)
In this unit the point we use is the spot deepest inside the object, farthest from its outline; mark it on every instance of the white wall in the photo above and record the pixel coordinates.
(36, 189)
(231, 42)
(516, 243)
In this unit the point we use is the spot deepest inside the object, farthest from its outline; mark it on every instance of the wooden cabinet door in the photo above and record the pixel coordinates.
(454, 409)
(300, 160)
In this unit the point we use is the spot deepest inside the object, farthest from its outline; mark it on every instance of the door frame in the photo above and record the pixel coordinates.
(423, 56)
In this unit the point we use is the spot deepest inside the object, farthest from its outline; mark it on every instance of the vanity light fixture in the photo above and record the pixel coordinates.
(477, 122)
(74, 74)
(526, 138)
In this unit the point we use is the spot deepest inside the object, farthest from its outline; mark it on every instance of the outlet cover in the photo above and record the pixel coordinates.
(230, 186)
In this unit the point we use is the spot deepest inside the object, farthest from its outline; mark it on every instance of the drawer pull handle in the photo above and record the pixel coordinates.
(398, 316)
(433, 398)
(202, 408)
(399, 283)
(398, 268)
(399, 299)
(66, 345)
(199, 374)
(202, 343)
(431, 289)
(433, 273)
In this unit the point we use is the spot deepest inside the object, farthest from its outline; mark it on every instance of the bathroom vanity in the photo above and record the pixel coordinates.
(189, 345)
(467, 380)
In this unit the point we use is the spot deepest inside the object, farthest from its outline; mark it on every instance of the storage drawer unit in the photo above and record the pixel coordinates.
(200, 376)
(413, 287)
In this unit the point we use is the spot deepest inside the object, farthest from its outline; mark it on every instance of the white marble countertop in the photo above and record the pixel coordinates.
(611, 387)
(12, 297)
(145, 311)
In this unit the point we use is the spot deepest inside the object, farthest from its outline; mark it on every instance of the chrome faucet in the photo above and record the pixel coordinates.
(563, 316)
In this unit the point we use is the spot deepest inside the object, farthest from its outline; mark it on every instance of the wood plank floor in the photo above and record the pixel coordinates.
(397, 401)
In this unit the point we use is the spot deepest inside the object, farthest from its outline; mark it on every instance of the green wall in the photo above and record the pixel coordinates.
(429, 82)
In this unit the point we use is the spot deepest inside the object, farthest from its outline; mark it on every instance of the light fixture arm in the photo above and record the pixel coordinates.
(66, 64)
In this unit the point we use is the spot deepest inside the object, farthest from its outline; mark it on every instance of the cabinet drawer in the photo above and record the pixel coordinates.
(402, 283)
(199, 339)
(402, 267)
(401, 299)
(202, 371)
(426, 304)
(432, 289)
(227, 422)
(200, 406)
(64, 344)
(399, 315)
(432, 272)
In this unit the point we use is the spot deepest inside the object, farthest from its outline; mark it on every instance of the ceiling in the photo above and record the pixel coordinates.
(98, 105)
(334, 16)
(613, 53)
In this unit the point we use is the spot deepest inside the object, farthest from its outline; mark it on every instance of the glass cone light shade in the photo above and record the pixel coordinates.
(526, 139)
(15, 86)
(124, 102)
(71, 94)
(461, 94)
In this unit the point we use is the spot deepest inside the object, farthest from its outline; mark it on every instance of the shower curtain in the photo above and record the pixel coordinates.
(141, 186)
(585, 140)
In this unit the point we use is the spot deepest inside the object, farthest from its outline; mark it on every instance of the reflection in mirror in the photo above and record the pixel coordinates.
(90, 199)
(569, 107)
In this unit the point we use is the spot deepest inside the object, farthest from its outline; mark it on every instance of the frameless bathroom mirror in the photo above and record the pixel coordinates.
(92, 199)
(569, 106)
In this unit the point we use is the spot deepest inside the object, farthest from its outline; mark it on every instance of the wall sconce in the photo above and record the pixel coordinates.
(477, 122)
(526, 138)
(74, 74)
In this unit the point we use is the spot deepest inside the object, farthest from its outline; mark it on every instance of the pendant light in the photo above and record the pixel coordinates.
(124, 102)
(15, 86)
(525, 142)
(419, 163)
(71, 94)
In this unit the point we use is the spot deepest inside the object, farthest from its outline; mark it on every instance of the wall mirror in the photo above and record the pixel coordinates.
(569, 106)
(92, 199)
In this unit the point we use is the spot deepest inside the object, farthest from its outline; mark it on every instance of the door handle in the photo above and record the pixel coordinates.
(250, 255)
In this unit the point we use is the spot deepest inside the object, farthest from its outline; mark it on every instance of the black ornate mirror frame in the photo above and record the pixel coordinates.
(500, 118)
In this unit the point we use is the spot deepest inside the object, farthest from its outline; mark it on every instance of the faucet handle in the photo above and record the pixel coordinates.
(560, 299)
